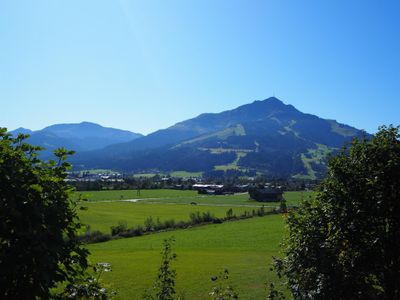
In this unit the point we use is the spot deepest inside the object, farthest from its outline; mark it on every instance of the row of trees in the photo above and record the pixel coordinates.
(161, 182)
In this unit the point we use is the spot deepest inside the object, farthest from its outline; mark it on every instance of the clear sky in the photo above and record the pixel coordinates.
(145, 65)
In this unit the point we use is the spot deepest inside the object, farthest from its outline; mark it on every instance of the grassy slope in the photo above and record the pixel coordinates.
(185, 174)
(102, 215)
(132, 194)
(317, 156)
(177, 196)
(233, 165)
(244, 247)
(292, 198)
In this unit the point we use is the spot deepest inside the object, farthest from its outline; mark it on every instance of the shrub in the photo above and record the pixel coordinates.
(164, 285)
(229, 213)
(94, 237)
(149, 223)
(39, 245)
(223, 290)
(345, 243)
(121, 227)
(261, 211)
(169, 223)
(207, 217)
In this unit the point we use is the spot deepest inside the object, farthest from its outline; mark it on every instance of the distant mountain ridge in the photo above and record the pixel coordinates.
(264, 137)
(21, 130)
(84, 136)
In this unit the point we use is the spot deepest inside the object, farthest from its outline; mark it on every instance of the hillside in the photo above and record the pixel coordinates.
(263, 137)
(83, 136)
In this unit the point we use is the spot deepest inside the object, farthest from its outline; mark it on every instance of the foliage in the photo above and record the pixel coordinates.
(223, 290)
(89, 286)
(274, 293)
(94, 236)
(149, 223)
(282, 205)
(345, 244)
(164, 285)
(261, 211)
(121, 227)
(38, 221)
(205, 217)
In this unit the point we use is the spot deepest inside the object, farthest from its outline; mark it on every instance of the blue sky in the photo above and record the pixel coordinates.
(145, 65)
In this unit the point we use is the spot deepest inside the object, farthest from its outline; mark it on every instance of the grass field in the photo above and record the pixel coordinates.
(233, 165)
(132, 194)
(106, 210)
(244, 247)
(185, 174)
(102, 215)
(146, 175)
(185, 196)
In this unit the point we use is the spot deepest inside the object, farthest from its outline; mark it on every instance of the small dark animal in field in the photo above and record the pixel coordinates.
(193, 203)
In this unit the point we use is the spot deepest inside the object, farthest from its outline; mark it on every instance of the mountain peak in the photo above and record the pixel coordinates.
(86, 123)
(71, 125)
(264, 108)
(271, 99)
(21, 130)
(271, 102)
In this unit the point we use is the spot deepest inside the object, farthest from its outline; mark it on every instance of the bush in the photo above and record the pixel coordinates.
(164, 285)
(149, 224)
(223, 290)
(39, 225)
(137, 231)
(169, 223)
(345, 244)
(95, 237)
(207, 217)
(89, 286)
(195, 217)
(121, 227)
(261, 211)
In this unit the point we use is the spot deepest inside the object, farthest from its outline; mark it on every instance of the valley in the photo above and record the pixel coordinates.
(244, 247)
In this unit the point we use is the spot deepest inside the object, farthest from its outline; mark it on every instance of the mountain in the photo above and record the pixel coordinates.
(83, 136)
(89, 136)
(264, 137)
(21, 130)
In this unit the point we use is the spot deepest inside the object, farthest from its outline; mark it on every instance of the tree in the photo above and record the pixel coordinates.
(164, 285)
(345, 243)
(282, 205)
(89, 286)
(38, 222)
(223, 290)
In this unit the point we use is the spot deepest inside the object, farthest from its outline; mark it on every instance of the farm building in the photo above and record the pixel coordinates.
(266, 194)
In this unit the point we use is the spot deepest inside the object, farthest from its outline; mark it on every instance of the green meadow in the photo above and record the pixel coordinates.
(132, 194)
(244, 247)
(102, 215)
(182, 196)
